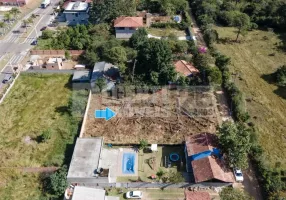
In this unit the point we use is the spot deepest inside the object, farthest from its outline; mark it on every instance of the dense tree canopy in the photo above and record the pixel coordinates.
(281, 76)
(155, 62)
(229, 193)
(235, 142)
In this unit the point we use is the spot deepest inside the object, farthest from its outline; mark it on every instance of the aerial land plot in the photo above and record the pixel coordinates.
(37, 104)
(164, 117)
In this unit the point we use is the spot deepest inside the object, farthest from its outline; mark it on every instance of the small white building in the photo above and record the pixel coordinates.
(77, 13)
(126, 26)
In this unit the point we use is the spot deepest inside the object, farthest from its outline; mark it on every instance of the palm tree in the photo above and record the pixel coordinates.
(30, 20)
(15, 12)
(25, 23)
(33, 16)
(7, 17)
(2, 26)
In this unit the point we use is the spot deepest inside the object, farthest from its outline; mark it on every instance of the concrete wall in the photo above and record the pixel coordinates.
(124, 33)
(13, 2)
(88, 181)
(76, 18)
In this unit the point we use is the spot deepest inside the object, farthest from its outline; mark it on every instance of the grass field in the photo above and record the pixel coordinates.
(35, 104)
(165, 32)
(253, 60)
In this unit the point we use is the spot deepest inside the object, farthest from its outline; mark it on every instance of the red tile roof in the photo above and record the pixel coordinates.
(133, 22)
(185, 68)
(197, 195)
(210, 167)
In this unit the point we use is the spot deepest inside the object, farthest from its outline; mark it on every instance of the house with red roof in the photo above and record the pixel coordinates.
(126, 26)
(185, 68)
(14, 2)
(205, 161)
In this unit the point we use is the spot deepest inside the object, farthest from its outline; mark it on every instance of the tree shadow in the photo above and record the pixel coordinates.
(270, 78)
(62, 110)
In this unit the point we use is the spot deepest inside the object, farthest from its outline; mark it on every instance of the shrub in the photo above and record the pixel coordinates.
(281, 76)
(143, 144)
(46, 135)
(57, 183)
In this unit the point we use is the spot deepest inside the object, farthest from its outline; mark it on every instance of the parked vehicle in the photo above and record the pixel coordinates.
(7, 78)
(43, 28)
(35, 42)
(238, 175)
(134, 195)
(45, 3)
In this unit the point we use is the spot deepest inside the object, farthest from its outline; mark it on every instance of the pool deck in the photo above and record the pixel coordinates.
(112, 159)
(119, 166)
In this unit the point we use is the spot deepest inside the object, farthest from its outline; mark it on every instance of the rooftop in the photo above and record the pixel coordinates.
(85, 193)
(81, 76)
(77, 6)
(105, 69)
(134, 22)
(185, 68)
(54, 60)
(197, 195)
(208, 167)
(85, 157)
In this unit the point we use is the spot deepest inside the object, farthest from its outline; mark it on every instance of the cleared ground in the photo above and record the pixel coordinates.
(165, 32)
(35, 104)
(253, 60)
(165, 117)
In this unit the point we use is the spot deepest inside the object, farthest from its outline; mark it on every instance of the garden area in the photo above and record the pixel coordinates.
(39, 122)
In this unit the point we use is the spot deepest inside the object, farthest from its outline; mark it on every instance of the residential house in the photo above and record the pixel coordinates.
(185, 68)
(126, 26)
(13, 2)
(81, 76)
(86, 193)
(54, 63)
(76, 13)
(198, 195)
(205, 161)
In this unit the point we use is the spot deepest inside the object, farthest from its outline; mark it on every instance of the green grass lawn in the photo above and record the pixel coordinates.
(253, 59)
(35, 104)
(165, 32)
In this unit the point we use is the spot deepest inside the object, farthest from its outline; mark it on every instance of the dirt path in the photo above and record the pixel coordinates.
(33, 169)
(250, 183)
(197, 31)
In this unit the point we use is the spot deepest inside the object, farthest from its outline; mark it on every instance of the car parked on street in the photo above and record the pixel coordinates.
(7, 78)
(238, 175)
(43, 28)
(35, 42)
(134, 195)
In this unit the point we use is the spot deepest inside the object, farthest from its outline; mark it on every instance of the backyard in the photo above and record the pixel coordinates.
(253, 59)
(155, 163)
(38, 128)
(165, 32)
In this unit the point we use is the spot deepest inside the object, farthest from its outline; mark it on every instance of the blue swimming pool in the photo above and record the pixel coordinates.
(128, 163)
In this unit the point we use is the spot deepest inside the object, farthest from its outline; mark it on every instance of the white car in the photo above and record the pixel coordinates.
(134, 195)
(238, 175)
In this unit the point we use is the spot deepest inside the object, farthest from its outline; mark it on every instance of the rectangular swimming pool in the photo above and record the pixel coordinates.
(128, 162)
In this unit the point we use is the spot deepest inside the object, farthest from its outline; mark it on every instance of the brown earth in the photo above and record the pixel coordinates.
(165, 117)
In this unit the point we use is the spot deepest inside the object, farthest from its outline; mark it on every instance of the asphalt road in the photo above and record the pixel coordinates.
(11, 45)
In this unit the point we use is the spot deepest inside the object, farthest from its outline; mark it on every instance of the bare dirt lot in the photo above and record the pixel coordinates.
(164, 117)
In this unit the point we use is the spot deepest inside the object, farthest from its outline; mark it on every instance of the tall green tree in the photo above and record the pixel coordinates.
(234, 140)
(229, 193)
(15, 12)
(155, 62)
(242, 23)
(117, 55)
(57, 182)
(138, 38)
(281, 76)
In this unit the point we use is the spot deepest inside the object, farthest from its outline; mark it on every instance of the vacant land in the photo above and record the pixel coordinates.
(165, 32)
(253, 60)
(36, 104)
(165, 117)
